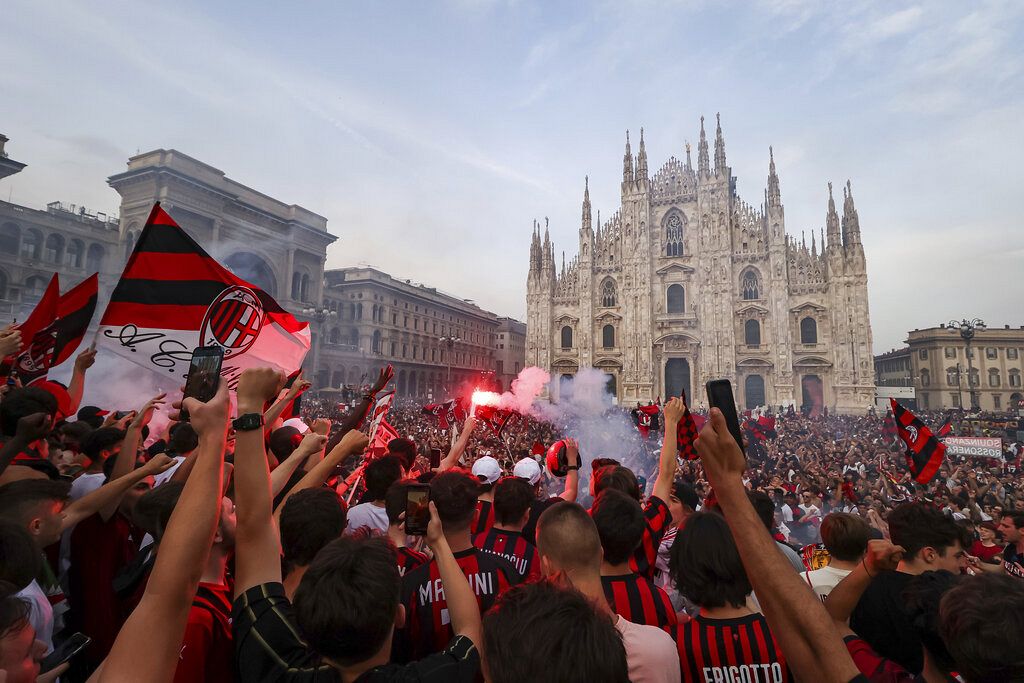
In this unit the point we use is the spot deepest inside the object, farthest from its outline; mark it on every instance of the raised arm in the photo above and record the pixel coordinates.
(462, 604)
(257, 544)
(674, 411)
(353, 442)
(274, 411)
(283, 472)
(76, 387)
(572, 477)
(841, 601)
(459, 448)
(157, 625)
(797, 619)
(109, 495)
(124, 461)
(30, 428)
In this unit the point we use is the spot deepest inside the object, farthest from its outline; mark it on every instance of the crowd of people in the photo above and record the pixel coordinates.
(243, 546)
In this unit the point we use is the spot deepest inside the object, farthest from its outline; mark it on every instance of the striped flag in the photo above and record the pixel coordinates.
(37, 332)
(686, 433)
(173, 297)
(924, 451)
(55, 343)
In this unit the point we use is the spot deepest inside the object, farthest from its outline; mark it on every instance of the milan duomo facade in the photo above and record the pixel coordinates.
(688, 283)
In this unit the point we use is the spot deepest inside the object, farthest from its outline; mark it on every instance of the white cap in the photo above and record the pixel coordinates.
(297, 423)
(486, 469)
(527, 469)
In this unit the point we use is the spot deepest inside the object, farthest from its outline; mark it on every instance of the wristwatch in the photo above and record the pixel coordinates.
(247, 422)
(572, 467)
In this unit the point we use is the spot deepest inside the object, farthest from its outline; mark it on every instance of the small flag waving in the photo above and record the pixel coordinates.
(383, 436)
(686, 433)
(448, 413)
(924, 451)
(37, 334)
(496, 418)
(645, 419)
(379, 412)
(55, 343)
(945, 429)
(173, 297)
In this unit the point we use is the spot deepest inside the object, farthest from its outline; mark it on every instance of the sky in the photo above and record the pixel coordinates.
(432, 135)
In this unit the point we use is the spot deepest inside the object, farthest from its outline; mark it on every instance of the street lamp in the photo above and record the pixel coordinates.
(450, 342)
(320, 316)
(967, 329)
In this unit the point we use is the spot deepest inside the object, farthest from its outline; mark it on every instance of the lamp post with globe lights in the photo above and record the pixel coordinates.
(450, 343)
(967, 329)
(320, 316)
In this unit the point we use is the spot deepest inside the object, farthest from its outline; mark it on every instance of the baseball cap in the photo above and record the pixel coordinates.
(686, 494)
(486, 469)
(527, 469)
(297, 424)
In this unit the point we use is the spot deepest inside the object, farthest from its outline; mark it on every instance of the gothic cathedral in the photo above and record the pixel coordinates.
(688, 283)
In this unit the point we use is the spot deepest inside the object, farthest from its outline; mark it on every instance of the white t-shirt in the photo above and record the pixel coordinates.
(86, 484)
(166, 475)
(368, 515)
(650, 653)
(823, 580)
(40, 613)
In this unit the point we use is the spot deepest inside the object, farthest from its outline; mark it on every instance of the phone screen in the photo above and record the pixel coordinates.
(203, 374)
(435, 458)
(720, 396)
(417, 509)
(71, 647)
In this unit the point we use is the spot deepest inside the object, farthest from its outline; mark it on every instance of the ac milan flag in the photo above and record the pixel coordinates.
(449, 413)
(924, 452)
(383, 436)
(496, 418)
(646, 419)
(379, 412)
(946, 429)
(173, 297)
(36, 336)
(55, 343)
(686, 433)
(763, 428)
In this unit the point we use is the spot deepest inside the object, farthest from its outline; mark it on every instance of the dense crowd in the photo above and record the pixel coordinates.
(223, 549)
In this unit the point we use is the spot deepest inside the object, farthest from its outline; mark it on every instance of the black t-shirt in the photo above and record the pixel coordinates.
(880, 618)
(1013, 562)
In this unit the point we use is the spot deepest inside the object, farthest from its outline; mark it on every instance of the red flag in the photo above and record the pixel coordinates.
(173, 297)
(643, 416)
(381, 438)
(37, 334)
(55, 343)
(496, 418)
(946, 429)
(380, 411)
(924, 451)
(448, 413)
(686, 433)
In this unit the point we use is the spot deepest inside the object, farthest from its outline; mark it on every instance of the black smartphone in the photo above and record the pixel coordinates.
(68, 649)
(203, 375)
(417, 509)
(720, 396)
(435, 458)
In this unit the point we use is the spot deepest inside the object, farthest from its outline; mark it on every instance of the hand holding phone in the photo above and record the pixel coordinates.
(417, 509)
(203, 376)
(68, 649)
(435, 458)
(720, 396)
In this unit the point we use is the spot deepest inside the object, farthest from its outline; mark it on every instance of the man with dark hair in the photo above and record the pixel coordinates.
(765, 509)
(310, 519)
(683, 501)
(545, 634)
(378, 475)
(845, 537)
(405, 450)
(98, 446)
(1011, 526)
(512, 500)
(428, 630)
(394, 504)
(620, 526)
(570, 556)
(19, 403)
(20, 651)
(727, 640)
(982, 627)
(931, 541)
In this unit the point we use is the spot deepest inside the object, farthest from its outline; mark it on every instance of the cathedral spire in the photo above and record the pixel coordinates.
(703, 168)
(641, 159)
(832, 221)
(774, 195)
(851, 222)
(719, 147)
(814, 245)
(689, 163)
(627, 163)
(586, 204)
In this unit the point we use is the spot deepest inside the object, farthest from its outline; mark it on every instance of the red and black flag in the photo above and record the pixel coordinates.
(495, 418)
(55, 343)
(924, 451)
(946, 429)
(889, 427)
(762, 429)
(645, 418)
(449, 413)
(36, 336)
(173, 297)
(686, 433)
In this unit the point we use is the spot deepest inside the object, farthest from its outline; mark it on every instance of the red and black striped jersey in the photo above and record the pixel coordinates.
(484, 517)
(730, 650)
(637, 599)
(409, 559)
(656, 519)
(428, 624)
(513, 547)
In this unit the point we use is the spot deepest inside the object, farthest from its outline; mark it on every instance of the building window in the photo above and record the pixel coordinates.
(674, 235)
(993, 378)
(926, 378)
(31, 244)
(608, 337)
(991, 353)
(10, 235)
(752, 333)
(808, 331)
(335, 336)
(1015, 378)
(997, 401)
(750, 285)
(566, 337)
(924, 401)
(950, 352)
(973, 377)
(73, 255)
(923, 354)
(394, 348)
(376, 341)
(608, 293)
(953, 377)
(53, 249)
(676, 300)
(35, 286)
(955, 398)
(1011, 354)
(501, 367)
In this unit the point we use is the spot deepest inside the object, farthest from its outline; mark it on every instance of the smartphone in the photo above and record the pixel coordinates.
(417, 509)
(720, 396)
(203, 375)
(68, 649)
(435, 458)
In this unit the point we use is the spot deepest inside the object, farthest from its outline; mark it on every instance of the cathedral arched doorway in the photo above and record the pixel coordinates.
(753, 391)
(813, 395)
(677, 378)
(612, 385)
(564, 387)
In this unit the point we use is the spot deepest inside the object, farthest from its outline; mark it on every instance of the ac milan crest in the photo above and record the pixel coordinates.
(233, 320)
(912, 431)
(36, 357)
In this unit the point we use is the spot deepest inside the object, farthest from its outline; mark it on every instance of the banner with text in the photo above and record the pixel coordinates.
(974, 447)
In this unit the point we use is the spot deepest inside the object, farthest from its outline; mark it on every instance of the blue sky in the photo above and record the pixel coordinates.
(432, 134)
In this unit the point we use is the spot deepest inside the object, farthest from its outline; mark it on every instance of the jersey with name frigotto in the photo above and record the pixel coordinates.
(428, 623)
(727, 650)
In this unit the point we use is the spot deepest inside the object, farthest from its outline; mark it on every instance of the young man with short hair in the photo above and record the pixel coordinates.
(379, 475)
(487, 470)
(620, 526)
(845, 537)
(98, 446)
(309, 520)
(512, 499)
(1011, 526)
(570, 557)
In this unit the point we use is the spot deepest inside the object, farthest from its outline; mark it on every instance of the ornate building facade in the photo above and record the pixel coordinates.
(687, 283)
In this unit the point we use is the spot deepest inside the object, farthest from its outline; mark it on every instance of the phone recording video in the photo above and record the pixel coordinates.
(68, 649)
(720, 396)
(417, 509)
(203, 375)
(435, 458)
